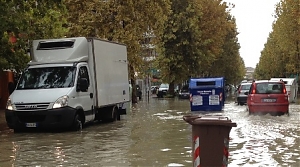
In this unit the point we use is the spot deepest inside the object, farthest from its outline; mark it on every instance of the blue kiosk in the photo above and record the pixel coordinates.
(207, 94)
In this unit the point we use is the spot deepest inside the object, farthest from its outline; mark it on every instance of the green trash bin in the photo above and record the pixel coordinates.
(210, 135)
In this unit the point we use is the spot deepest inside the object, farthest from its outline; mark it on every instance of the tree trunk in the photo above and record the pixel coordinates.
(171, 89)
(132, 79)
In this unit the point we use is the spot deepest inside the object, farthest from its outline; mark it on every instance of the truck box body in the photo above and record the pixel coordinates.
(110, 64)
(70, 81)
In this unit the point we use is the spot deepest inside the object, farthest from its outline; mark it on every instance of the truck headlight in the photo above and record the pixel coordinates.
(61, 102)
(9, 105)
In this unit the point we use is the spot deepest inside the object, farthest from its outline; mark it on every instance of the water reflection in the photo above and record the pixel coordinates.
(154, 134)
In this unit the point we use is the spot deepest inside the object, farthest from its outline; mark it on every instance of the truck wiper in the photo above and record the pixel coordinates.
(43, 86)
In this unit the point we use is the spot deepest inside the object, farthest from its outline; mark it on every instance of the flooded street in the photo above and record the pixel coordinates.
(154, 134)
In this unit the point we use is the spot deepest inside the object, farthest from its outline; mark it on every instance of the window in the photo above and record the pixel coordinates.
(208, 83)
(83, 73)
(47, 78)
(164, 86)
(269, 88)
(245, 87)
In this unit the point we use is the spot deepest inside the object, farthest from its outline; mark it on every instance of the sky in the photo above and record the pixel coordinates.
(254, 20)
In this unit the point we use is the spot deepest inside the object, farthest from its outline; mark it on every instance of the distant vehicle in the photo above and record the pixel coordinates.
(162, 90)
(138, 92)
(153, 89)
(268, 96)
(291, 86)
(241, 97)
(244, 81)
(184, 92)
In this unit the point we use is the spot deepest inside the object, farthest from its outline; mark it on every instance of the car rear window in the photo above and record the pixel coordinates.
(269, 88)
(246, 87)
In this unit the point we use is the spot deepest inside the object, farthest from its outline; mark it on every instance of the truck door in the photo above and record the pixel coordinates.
(85, 98)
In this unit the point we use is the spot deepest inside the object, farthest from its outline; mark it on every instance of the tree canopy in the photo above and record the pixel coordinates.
(281, 54)
(200, 40)
(192, 38)
(24, 20)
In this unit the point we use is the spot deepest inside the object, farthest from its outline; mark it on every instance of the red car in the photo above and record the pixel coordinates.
(268, 97)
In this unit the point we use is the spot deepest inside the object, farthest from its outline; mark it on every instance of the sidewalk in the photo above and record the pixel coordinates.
(3, 125)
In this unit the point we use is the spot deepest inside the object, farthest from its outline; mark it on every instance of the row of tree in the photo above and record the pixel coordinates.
(193, 38)
(200, 40)
(281, 54)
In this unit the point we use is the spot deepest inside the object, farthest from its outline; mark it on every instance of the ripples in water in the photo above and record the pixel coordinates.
(154, 134)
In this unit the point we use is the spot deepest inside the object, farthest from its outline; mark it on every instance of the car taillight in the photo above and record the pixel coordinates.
(253, 89)
(284, 90)
(240, 89)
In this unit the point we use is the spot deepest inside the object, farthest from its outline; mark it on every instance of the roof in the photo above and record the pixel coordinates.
(288, 81)
(264, 81)
(246, 83)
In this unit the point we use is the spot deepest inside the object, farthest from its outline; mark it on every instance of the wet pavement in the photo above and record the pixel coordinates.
(154, 134)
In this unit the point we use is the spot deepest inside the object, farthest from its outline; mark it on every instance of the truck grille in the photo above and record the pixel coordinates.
(30, 117)
(32, 106)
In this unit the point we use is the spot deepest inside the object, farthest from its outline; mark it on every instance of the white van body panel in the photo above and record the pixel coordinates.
(291, 87)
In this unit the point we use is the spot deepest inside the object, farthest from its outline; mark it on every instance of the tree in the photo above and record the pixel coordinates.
(12, 54)
(120, 21)
(229, 63)
(281, 54)
(287, 30)
(180, 44)
(199, 39)
(214, 25)
(42, 19)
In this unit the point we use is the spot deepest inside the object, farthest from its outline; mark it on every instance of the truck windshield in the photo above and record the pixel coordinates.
(46, 78)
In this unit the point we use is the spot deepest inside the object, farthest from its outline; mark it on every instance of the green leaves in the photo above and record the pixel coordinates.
(26, 20)
(281, 54)
(189, 38)
(200, 39)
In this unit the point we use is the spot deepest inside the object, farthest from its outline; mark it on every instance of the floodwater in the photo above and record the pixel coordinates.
(154, 134)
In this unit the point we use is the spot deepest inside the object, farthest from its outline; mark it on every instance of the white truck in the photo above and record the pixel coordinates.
(70, 82)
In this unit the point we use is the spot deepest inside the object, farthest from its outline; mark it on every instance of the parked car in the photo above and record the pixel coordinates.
(184, 92)
(241, 97)
(138, 92)
(268, 97)
(162, 90)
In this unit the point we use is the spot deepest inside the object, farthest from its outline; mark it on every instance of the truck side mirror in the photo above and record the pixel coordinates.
(82, 85)
(11, 87)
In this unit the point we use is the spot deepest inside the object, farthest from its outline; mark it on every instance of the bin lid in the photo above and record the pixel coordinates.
(209, 120)
(206, 82)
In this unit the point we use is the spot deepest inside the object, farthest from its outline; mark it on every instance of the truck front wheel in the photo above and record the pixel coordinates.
(77, 124)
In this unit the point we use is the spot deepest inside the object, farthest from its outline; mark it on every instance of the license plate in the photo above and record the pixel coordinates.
(31, 125)
(269, 100)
